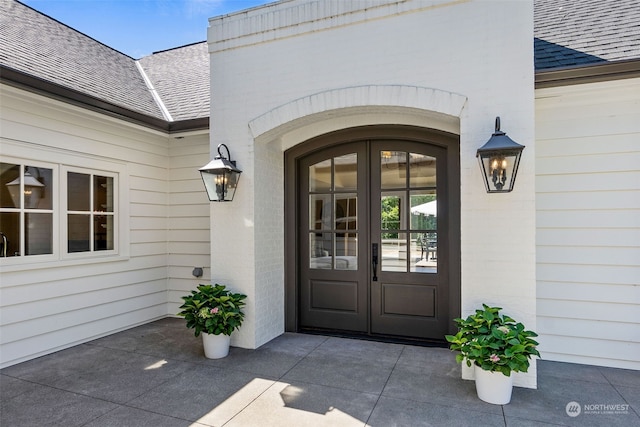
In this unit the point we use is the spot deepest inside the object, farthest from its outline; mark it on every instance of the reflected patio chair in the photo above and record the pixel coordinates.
(428, 245)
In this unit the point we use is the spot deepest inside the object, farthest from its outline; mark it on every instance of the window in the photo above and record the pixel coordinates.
(55, 211)
(26, 210)
(90, 212)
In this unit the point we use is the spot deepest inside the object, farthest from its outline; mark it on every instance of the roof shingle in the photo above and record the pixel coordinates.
(181, 78)
(575, 33)
(40, 46)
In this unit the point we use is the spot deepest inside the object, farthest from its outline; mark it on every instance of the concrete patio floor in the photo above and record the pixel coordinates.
(156, 375)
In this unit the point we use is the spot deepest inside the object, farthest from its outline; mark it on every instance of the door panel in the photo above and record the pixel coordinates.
(410, 297)
(333, 228)
(374, 198)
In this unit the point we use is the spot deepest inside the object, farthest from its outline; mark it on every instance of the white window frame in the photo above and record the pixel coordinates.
(92, 252)
(60, 163)
(22, 210)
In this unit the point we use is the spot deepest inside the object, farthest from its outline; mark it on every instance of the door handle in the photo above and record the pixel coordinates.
(374, 261)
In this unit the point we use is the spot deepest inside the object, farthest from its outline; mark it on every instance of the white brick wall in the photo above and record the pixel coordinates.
(293, 70)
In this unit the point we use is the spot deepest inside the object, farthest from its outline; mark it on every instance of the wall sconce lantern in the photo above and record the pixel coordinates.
(221, 177)
(499, 160)
(33, 190)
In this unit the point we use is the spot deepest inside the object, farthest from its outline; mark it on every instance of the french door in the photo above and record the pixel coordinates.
(373, 239)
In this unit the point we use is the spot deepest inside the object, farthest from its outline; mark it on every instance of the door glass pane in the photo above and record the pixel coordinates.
(38, 234)
(103, 194)
(394, 252)
(320, 251)
(103, 232)
(422, 170)
(424, 257)
(78, 190)
(346, 251)
(9, 186)
(320, 211)
(9, 234)
(320, 176)
(346, 172)
(78, 228)
(345, 211)
(392, 210)
(393, 169)
(424, 210)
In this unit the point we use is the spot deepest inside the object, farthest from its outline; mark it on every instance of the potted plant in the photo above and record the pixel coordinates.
(215, 312)
(496, 345)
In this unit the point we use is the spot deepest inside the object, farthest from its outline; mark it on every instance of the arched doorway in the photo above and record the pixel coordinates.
(372, 233)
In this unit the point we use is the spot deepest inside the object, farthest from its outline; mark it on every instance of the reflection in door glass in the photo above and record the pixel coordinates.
(345, 172)
(422, 170)
(424, 210)
(320, 211)
(333, 213)
(346, 214)
(320, 176)
(394, 252)
(424, 252)
(320, 250)
(346, 251)
(408, 212)
(391, 210)
(393, 169)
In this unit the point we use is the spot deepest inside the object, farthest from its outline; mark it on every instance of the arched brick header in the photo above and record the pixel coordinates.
(360, 98)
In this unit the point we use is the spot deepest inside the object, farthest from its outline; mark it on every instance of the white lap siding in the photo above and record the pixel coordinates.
(588, 223)
(47, 306)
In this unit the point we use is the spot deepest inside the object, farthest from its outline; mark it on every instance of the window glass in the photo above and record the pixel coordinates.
(103, 233)
(422, 170)
(38, 235)
(78, 230)
(103, 194)
(9, 234)
(394, 252)
(345, 211)
(320, 176)
(345, 172)
(78, 191)
(393, 169)
(320, 211)
(9, 192)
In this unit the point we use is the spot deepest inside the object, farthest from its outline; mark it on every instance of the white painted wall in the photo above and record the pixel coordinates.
(50, 304)
(588, 223)
(290, 71)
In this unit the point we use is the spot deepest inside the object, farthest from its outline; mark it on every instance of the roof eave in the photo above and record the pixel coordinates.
(43, 87)
(599, 72)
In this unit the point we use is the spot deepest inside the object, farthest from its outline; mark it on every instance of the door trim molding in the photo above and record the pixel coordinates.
(410, 133)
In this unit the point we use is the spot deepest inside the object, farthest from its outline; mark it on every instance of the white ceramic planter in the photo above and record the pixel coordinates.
(215, 346)
(493, 387)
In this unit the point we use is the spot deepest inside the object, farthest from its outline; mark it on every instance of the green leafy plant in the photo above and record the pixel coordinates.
(493, 342)
(213, 309)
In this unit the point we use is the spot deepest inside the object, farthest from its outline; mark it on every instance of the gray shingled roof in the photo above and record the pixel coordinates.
(567, 33)
(583, 32)
(181, 78)
(37, 45)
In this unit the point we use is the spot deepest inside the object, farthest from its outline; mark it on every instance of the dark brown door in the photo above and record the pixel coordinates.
(373, 239)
